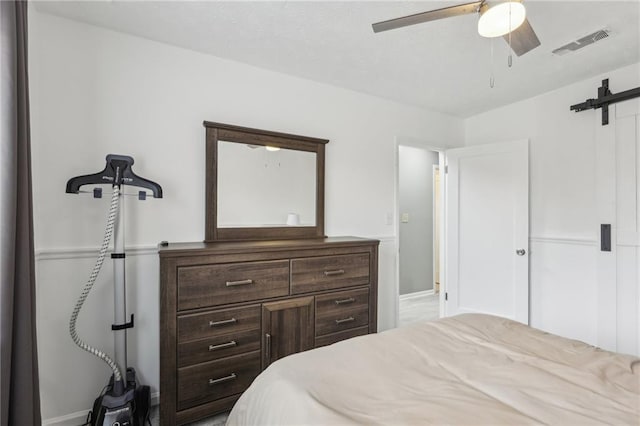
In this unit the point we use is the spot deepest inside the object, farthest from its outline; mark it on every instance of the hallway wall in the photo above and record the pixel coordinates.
(416, 235)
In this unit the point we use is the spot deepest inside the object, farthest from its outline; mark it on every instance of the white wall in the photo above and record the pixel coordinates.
(564, 223)
(415, 186)
(96, 92)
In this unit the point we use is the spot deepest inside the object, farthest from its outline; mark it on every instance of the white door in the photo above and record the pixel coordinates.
(487, 230)
(618, 195)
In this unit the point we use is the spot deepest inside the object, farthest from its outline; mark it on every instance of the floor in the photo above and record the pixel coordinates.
(218, 420)
(421, 308)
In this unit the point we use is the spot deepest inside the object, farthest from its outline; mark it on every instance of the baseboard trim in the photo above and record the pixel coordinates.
(416, 294)
(80, 417)
(73, 419)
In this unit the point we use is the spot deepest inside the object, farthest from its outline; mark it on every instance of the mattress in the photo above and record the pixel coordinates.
(470, 369)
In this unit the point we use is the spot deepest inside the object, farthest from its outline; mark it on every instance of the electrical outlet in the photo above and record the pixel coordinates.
(404, 218)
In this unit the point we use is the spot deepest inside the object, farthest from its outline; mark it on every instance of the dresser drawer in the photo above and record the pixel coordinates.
(341, 311)
(216, 379)
(197, 351)
(211, 285)
(218, 323)
(329, 272)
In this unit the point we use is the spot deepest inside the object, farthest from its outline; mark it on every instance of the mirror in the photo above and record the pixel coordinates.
(262, 184)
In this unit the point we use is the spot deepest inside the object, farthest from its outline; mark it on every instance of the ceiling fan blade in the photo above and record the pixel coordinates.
(523, 39)
(418, 18)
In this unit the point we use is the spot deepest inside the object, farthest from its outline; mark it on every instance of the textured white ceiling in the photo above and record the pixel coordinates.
(442, 65)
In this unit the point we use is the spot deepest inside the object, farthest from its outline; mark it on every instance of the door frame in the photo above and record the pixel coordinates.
(427, 146)
(435, 171)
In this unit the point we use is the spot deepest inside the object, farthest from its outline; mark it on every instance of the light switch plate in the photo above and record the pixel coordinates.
(389, 219)
(404, 218)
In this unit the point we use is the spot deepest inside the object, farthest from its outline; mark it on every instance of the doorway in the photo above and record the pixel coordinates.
(419, 212)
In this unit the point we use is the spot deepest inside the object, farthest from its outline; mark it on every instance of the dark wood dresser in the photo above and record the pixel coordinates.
(229, 309)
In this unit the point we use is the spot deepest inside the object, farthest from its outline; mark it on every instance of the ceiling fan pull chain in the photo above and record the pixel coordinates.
(492, 80)
(510, 59)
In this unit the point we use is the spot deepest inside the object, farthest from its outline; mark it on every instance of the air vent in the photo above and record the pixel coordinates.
(582, 42)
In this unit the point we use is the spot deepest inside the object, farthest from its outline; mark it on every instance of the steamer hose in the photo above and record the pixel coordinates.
(113, 213)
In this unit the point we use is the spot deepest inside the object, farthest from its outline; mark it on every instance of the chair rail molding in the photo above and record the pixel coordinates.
(563, 240)
(89, 252)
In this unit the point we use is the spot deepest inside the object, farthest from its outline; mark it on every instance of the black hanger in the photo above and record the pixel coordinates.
(117, 172)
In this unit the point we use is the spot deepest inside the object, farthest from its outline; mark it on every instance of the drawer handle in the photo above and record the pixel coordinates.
(331, 273)
(230, 344)
(231, 376)
(223, 322)
(345, 301)
(241, 282)
(344, 320)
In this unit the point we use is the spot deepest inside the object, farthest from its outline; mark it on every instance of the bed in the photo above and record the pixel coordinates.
(468, 369)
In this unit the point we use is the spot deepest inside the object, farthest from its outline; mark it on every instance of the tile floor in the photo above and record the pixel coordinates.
(421, 308)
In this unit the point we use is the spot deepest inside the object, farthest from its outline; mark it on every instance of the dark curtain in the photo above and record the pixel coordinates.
(19, 391)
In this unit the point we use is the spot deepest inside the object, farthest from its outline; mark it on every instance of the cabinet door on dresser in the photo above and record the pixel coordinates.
(287, 328)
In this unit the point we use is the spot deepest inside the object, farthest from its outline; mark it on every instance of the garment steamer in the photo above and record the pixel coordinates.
(123, 402)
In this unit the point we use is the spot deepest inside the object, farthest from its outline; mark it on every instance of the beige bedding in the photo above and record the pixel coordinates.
(467, 370)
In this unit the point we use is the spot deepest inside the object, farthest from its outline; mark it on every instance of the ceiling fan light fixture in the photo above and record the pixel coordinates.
(499, 19)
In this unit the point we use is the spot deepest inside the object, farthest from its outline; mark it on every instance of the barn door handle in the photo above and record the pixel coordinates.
(605, 237)
(521, 252)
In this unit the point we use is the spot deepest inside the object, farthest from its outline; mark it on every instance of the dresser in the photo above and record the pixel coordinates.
(229, 309)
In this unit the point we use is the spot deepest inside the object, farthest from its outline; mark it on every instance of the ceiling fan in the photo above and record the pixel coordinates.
(497, 18)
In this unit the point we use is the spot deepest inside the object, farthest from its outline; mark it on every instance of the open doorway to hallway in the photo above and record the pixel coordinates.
(419, 208)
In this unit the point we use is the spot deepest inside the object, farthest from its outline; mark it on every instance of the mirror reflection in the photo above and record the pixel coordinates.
(263, 186)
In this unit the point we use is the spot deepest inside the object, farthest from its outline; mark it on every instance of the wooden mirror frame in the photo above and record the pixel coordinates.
(226, 132)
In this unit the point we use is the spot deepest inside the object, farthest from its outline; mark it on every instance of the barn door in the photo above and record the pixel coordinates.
(487, 230)
(618, 195)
